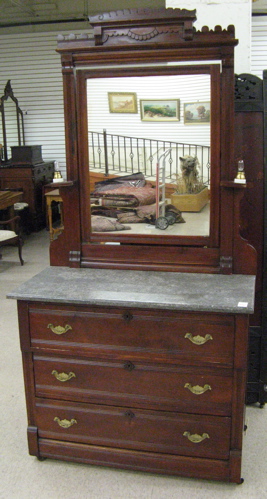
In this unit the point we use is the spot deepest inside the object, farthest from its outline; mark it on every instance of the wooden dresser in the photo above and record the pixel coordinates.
(134, 369)
(135, 344)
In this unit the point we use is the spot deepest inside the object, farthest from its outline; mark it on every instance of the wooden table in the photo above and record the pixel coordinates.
(50, 197)
(7, 201)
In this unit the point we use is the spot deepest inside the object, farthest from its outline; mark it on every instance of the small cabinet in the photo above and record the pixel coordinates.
(28, 176)
(21, 166)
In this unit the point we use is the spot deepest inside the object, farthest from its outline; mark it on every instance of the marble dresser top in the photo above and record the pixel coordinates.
(162, 290)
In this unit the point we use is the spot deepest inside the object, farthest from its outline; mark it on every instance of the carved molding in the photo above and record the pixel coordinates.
(139, 34)
(130, 26)
(8, 92)
(74, 37)
(142, 24)
(143, 14)
(218, 29)
(248, 87)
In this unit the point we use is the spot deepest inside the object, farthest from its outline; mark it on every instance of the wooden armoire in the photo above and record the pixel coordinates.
(250, 144)
(134, 344)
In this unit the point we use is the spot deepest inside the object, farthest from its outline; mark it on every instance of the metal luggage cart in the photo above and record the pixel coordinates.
(163, 220)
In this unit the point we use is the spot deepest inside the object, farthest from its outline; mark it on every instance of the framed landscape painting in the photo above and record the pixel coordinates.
(160, 110)
(122, 102)
(197, 113)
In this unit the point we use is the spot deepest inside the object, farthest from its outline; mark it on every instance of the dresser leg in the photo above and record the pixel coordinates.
(33, 441)
(235, 466)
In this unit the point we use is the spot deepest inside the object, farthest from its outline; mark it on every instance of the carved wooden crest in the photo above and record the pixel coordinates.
(142, 25)
(248, 87)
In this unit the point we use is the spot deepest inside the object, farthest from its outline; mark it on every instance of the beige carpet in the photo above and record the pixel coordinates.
(24, 477)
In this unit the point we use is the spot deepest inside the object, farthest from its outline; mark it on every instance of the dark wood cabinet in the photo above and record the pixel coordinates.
(27, 172)
(29, 179)
(250, 145)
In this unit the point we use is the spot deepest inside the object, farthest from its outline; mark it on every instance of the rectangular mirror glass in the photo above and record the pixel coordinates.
(150, 151)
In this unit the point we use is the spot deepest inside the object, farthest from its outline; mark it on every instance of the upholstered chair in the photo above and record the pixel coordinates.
(10, 237)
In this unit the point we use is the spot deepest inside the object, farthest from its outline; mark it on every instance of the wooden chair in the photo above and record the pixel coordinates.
(11, 237)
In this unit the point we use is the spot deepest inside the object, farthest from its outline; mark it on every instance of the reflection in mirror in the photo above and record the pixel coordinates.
(12, 127)
(152, 133)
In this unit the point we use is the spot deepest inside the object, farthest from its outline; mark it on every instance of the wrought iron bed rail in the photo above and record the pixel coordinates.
(119, 154)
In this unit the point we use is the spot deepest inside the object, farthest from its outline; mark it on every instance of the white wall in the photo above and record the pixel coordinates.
(32, 64)
(224, 12)
(186, 88)
(259, 45)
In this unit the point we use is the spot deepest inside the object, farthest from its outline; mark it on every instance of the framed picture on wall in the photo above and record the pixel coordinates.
(196, 113)
(122, 102)
(160, 110)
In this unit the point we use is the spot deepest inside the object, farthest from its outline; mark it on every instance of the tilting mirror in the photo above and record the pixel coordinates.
(150, 150)
(149, 126)
(12, 126)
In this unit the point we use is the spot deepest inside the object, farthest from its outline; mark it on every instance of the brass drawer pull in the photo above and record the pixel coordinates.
(198, 340)
(197, 390)
(63, 376)
(59, 329)
(195, 439)
(65, 423)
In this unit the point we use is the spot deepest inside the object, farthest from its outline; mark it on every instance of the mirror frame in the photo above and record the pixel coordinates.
(8, 94)
(139, 37)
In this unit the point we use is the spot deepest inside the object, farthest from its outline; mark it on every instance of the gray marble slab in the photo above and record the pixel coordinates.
(163, 290)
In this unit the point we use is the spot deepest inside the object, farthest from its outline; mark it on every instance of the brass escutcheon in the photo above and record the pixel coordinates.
(127, 316)
(195, 439)
(197, 390)
(59, 329)
(63, 376)
(129, 366)
(198, 340)
(65, 423)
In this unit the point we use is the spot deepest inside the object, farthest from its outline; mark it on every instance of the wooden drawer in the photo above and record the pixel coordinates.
(198, 390)
(164, 432)
(140, 334)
